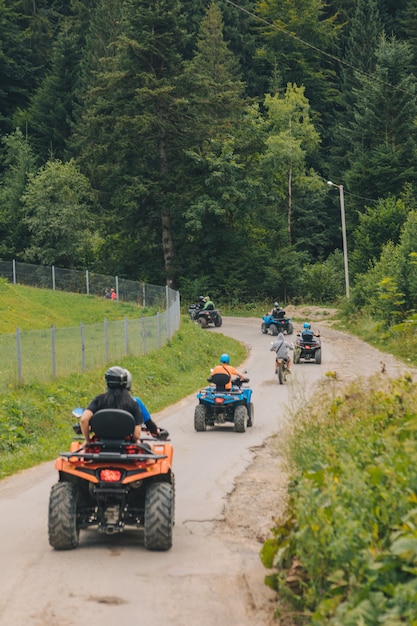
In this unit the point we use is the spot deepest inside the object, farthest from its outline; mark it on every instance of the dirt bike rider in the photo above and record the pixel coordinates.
(148, 422)
(281, 348)
(117, 396)
(225, 367)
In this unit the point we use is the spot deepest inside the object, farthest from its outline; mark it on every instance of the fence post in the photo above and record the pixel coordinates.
(19, 355)
(158, 325)
(167, 308)
(53, 347)
(87, 282)
(117, 287)
(143, 295)
(143, 335)
(82, 348)
(14, 272)
(126, 324)
(53, 277)
(106, 339)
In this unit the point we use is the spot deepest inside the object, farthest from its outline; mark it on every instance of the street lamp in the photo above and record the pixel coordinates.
(342, 211)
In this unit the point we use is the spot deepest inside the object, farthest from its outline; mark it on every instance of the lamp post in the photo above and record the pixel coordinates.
(342, 211)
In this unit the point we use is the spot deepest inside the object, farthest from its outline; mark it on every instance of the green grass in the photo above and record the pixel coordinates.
(36, 420)
(29, 308)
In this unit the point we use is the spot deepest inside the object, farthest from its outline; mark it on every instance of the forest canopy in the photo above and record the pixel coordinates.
(190, 143)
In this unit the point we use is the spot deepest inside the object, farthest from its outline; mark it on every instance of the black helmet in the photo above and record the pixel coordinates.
(116, 377)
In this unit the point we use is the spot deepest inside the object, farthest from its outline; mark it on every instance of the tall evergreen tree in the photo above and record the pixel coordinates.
(130, 135)
(18, 162)
(383, 134)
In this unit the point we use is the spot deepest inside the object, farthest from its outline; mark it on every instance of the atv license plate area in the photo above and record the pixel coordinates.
(110, 475)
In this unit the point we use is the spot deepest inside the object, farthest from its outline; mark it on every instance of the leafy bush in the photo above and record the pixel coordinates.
(347, 554)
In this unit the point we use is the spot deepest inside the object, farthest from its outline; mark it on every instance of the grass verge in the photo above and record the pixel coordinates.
(36, 420)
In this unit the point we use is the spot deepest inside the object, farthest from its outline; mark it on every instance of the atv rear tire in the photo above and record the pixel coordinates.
(202, 321)
(251, 414)
(159, 516)
(274, 329)
(317, 356)
(62, 517)
(218, 321)
(297, 356)
(240, 418)
(264, 328)
(290, 329)
(200, 418)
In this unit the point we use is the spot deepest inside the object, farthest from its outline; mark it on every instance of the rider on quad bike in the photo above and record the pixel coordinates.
(226, 368)
(117, 396)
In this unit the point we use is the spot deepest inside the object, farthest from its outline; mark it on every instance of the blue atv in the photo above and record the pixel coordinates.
(276, 325)
(218, 405)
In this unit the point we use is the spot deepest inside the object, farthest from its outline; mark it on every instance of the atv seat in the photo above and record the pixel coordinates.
(220, 380)
(114, 424)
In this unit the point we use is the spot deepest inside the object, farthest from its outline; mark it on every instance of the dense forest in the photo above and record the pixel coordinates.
(191, 143)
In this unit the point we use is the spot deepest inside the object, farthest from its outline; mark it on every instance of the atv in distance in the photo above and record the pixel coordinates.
(112, 483)
(218, 406)
(205, 317)
(307, 348)
(276, 325)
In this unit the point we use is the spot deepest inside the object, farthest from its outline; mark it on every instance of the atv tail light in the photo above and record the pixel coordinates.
(110, 475)
(218, 400)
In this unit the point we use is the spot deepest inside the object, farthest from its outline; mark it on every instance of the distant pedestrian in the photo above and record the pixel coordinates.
(107, 294)
(113, 294)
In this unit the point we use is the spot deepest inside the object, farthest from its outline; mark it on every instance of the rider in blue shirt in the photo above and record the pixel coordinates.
(148, 422)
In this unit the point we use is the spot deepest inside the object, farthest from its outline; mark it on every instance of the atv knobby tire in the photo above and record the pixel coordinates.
(159, 516)
(202, 321)
(240, 418)
(251, 414)
(274, 329)
(290, 329)
(264, 329)
(62, 518)
(218, 321)
(317, 356)
(200, 418)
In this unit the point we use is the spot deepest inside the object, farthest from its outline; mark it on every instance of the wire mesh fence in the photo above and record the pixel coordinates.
(90, 283)
(42, 355)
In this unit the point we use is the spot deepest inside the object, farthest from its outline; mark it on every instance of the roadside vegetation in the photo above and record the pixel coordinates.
(346, 551)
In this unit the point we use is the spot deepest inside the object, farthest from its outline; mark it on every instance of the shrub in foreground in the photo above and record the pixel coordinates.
(347, 553)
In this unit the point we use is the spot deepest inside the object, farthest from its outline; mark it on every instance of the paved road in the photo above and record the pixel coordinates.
(201, 581)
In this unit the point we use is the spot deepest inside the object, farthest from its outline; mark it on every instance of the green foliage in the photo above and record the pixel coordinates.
(57, 202)
(352, 508)
(323, 282)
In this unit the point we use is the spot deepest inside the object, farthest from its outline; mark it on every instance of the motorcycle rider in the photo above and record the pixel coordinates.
(148, 422)
(225, 367)
(281, 348)
(117, 396)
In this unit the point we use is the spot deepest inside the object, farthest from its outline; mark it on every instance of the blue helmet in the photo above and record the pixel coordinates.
(225, 358)
(307, 325)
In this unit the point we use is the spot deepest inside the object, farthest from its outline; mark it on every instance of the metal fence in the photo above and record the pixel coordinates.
(41, 355)
(90, 283)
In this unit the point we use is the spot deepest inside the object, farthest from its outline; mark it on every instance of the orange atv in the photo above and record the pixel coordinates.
(112, 483)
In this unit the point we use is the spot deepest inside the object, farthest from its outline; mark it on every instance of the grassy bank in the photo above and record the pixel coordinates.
(35, 421)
